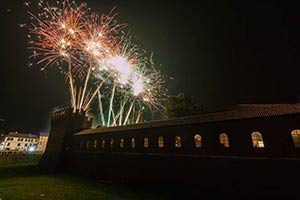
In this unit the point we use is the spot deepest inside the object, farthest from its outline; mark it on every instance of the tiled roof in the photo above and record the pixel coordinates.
(21, 135)
(243, 111)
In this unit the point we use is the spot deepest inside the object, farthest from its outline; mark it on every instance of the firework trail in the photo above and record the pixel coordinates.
(101, 107)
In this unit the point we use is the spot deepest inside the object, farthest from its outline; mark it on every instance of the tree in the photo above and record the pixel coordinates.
(180, 105)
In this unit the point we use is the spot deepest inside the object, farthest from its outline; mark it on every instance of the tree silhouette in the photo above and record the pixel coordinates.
(181, 105)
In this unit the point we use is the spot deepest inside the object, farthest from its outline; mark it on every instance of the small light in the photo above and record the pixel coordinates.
(31, 149)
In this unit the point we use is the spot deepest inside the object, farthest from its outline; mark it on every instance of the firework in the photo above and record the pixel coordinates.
(146, 90)
(56, 33)
(99, 40)
(101, 59)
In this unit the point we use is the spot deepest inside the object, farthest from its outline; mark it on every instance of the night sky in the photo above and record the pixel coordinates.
(220, 53)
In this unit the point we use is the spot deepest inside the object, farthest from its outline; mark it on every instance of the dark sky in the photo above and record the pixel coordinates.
(220, 53)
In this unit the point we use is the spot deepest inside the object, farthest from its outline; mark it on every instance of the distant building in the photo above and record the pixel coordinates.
(43, 139)
(20, 142)
(2, 137)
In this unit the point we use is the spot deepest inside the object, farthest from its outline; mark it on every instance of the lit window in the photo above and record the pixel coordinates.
(146, 142)
(177, 141)
(81, 144)
(112, 141)
(87, 144)
(103, 143)
(257, 140)
(133, 142)
(160, 142)
(296, 137)
(224, 140)
(198, 141)
(122, 141)
(95, 143)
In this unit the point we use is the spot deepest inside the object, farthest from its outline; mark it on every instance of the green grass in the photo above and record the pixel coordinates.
(24, 181)
(18, 160)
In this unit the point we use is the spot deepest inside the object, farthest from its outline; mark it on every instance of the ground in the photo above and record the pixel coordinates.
(24, 181)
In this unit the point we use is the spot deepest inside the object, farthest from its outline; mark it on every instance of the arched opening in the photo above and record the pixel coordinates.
(146, 142)
(112, 141)
(257, 140)
(296, 137)
(224, 140)
(160, 142)
(103, 143)
(132, 142)
(88, 144)
(198, 141)
(95, 143)
(122, 141)
(177, 141)
(81, 144)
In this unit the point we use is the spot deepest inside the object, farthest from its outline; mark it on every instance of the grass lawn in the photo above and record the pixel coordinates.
(24, 181)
